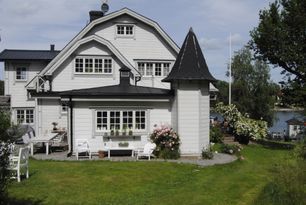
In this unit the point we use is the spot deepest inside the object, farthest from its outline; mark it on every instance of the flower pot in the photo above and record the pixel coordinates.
(101, 154)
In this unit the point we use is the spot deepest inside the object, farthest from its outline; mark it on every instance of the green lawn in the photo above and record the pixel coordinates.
(103, 182)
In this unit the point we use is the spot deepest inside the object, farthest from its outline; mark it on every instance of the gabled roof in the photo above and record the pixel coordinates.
(63, 56)
(190, 63)
(40, 55)
(108, 17)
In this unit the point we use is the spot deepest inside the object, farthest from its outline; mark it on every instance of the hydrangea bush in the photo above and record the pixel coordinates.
(244, 127)
(167, 142)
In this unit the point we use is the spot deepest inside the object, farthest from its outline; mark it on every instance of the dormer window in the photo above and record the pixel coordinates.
(21, 74)
(125, 30)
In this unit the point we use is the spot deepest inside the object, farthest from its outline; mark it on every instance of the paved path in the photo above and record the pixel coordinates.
(219, 158)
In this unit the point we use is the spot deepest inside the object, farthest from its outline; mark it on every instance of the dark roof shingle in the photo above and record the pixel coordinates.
(11, 54)
(190, 63)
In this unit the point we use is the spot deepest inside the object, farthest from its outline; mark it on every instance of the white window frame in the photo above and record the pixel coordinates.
(25, 116)
(121, 119)
(22, 73)
(125, 31)
(94, 70)
(145, 73)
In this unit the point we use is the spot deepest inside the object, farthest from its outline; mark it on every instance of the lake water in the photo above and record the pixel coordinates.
(280, 118)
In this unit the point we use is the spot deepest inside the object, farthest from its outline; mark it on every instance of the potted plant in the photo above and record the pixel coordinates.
(112, 132)
(124, 130)
(117, 132)
(130, 132)
(101, 154)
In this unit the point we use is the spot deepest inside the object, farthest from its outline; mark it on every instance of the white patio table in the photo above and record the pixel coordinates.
(109, 149)
(45, 139)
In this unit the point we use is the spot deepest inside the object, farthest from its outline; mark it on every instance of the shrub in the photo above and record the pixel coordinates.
(167, 142)
(207, 153)
(216, 134)
(243, 127)
(4, 153)
(233, 149)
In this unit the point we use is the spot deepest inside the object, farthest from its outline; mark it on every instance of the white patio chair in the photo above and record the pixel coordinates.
(147, 151)
(82, 146)
(20, 163)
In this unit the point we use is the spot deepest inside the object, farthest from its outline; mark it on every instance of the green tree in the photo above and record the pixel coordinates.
(222, 95)
(4, 139)
(280, 39)
(252, 90)
(1, 87)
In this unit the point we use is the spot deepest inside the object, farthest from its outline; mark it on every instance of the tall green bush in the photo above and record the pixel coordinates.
(215, 134)
(4, 153)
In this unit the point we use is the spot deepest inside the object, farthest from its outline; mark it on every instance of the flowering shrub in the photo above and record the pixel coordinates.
(231, 149)
(207, 153)
(244, 127)
(167, 142)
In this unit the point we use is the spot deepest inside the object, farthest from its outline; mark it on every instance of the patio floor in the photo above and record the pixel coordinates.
(219, 158)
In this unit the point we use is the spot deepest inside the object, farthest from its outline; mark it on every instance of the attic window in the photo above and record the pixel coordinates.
(21, 74)
(125, 30)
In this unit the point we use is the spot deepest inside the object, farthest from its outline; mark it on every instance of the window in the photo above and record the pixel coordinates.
(88, 65)
(125, 30)
(25, 116)
(79, 65)
(102, 120)
(166, 69)
(140, 120)
(21, 73)
(153, 69)
(149, 70)
(94, 65)
(119, 120)
(141, 68)
(115, 120)
(158, 69)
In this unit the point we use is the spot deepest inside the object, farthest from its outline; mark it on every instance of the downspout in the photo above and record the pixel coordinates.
(71, 127)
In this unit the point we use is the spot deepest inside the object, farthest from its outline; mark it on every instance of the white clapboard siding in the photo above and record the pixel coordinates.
(188, 120)
(50, 111)
(16, 89)
(204, 116)
(145, 44)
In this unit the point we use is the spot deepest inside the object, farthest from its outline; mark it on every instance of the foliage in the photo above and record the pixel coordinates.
(207, 153)
(215, 134)
(1, 87)
(167, 142)
(4, 153)
(280, 39)
(234, 149)
(222, 95)
(253, 92)
(288, 186)
(244, 127)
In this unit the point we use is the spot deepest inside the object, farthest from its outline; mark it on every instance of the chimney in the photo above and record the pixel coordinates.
(52, 47)
(93, 15)
(125, 74)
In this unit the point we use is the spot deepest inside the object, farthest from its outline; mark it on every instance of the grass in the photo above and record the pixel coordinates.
(103, 182)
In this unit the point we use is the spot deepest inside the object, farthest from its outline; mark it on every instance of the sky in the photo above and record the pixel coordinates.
(35, 24)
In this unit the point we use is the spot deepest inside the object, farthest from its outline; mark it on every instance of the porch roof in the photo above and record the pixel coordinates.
(115, 91)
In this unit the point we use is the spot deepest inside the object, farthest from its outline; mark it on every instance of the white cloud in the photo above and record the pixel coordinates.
(210, 43)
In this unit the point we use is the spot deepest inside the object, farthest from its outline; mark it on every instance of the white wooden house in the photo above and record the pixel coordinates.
(121, 71)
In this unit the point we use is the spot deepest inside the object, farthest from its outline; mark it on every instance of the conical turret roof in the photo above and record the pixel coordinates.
(190, 63)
